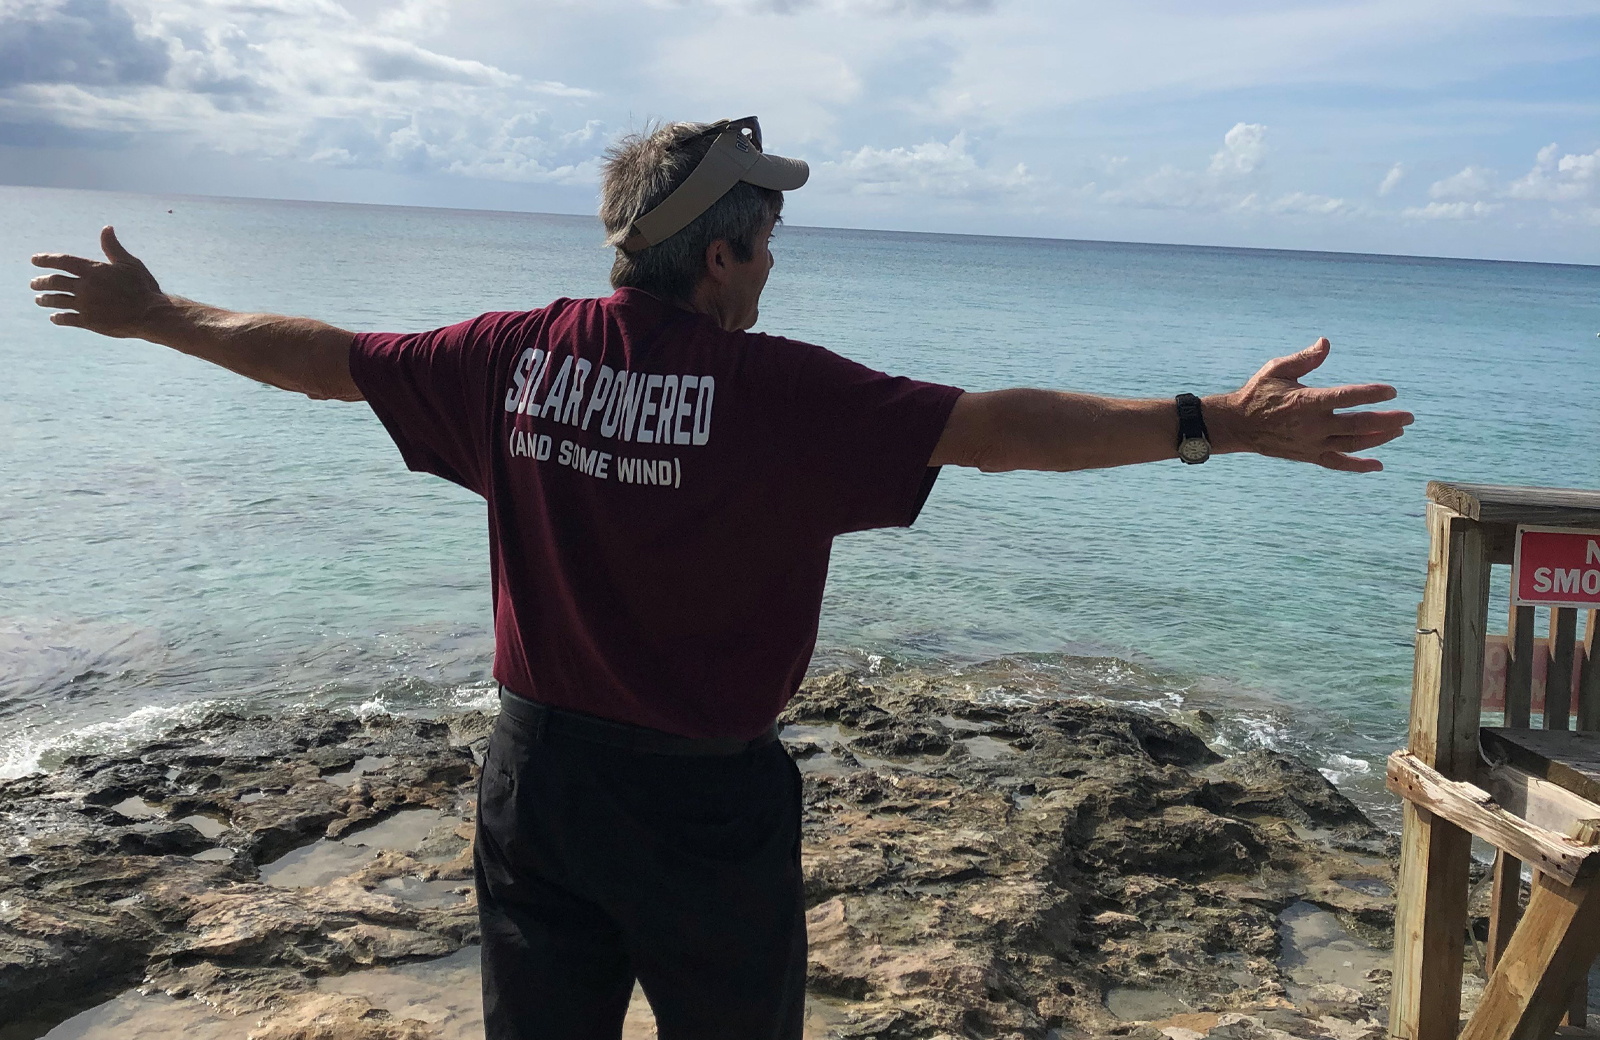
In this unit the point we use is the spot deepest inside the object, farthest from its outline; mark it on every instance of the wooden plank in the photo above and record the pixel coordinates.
(1558, 677)
(1502, 504)
(1500, 543)
(1447, 674)
(1588, 833)
(1543, 804)
(1430, 926)
(1473, 809)
(1536, 800)
(1435, 855)
(1505, 906)
(1519, 667)
(1588, 706)
(1527, 994)
(1566, 759)
(1589, 676)
(1588, 721)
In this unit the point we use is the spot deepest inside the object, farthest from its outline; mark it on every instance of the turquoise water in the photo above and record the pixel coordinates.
(173, 537)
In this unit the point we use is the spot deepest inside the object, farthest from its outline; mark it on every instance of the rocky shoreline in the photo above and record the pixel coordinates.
(979, 863)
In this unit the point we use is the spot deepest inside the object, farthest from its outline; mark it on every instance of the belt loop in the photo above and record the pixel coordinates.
(537, 716)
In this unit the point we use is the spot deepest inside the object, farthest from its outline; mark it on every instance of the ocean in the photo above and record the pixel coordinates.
(175, 539)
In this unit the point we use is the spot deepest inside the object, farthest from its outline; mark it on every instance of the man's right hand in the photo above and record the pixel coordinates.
(121, 298)
(117, 298)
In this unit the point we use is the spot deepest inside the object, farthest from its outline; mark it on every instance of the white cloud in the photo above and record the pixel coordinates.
(1392, 178)
(1172, 188)
(436, 91)
(387, 60)
(1229, 182)
(1569, 183)
(846, 7)
(1570, 178)
(1308, 204)
(301, 80)
(415, 18)
(932, 169)
(1451, 210)
(1036, 57)
(1242, 149)
(806, 76)
(86, 41)
(1471, 183)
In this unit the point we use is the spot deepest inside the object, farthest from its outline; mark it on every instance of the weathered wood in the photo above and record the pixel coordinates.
(1585, 832)
(1505, 906)
(1588, 720)
(1430, 926)
(1537, 800)
(1558, 678)
(1566, 759)
(1556, 809)
(1435, 855)
(1589, 677)
(1519, 666)
(1471, 808)
(1527, 994)
(1500, 504)
(1500, 543)
(1447, 674)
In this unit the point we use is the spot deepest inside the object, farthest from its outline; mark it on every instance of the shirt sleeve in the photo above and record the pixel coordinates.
(428, 389)
(863, 441)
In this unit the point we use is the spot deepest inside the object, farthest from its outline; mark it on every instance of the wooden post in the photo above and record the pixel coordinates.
(1435, 855)
(1505, 907)
(1505, 898)
(1589, 678)
(1519, 666)
(1528, 993)
(1557, 709)
(1588, 719)
(1558, 680)
(1578, 1000)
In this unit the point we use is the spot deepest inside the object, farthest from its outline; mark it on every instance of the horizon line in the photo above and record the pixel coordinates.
(829, 227)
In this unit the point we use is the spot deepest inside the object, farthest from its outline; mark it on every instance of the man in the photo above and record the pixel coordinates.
(663, 492)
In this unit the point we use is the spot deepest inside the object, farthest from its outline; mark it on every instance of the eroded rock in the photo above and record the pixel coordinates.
(997, 869)
(93, 899)
(975, 866)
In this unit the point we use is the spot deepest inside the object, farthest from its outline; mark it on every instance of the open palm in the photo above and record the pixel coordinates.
(114, 298)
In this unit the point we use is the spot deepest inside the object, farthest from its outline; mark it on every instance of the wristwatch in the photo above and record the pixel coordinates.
(1193, 445)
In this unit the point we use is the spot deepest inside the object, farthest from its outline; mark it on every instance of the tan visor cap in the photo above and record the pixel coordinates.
(735, 156)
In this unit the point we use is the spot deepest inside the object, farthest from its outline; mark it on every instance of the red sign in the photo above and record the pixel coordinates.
(1556, 567)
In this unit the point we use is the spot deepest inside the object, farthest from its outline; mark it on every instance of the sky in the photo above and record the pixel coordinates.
(1428, 127)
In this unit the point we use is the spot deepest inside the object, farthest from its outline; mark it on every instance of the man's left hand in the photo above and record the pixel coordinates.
(1275, 414)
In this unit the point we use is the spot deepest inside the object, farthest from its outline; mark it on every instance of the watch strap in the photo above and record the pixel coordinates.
(1191, 421)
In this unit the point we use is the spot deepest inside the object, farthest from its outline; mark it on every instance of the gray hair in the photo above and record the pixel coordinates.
(641, 170)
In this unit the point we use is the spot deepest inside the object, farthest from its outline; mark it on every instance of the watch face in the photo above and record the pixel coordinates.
(1194, 449)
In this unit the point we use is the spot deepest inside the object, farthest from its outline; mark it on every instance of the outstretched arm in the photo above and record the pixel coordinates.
(1272, 414)
(120, 298)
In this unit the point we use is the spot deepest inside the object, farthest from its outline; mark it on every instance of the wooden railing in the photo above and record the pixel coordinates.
(1556, 678)
(1504, 789)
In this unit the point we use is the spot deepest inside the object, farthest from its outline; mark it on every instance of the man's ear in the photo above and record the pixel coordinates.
(719, 260)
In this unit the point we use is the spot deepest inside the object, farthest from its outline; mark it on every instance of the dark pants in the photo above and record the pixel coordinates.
(598, 865)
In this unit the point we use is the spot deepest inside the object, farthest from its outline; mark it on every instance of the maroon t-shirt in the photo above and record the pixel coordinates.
(663, 494)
